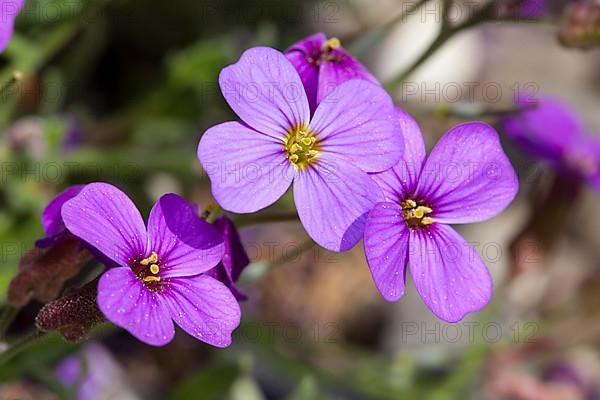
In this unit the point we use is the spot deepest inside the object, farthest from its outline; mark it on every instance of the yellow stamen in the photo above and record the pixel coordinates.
(154, 269)
(333, 43)
(427, 221)
(150, 260)
(301, 147)
(152, 278)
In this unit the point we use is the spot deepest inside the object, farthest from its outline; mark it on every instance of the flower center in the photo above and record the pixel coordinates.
(147, 271)
(325, 52)
(301, 147)
(416, 214)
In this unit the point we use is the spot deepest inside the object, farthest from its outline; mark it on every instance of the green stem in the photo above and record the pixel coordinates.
(447, 31)
(8, 315)
(16, 77)
(19, 346)
(439, 41)
(365, 42)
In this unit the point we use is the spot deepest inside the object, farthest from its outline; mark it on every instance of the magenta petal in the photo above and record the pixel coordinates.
(333, 199)
(204, 308)
(265, 91)
(358, 122)
(125, 301)
(9, 9)
(386, 248)
(105, 217)
(186, 245)
(343, 67)
(402, 179)
(248, 170)
(448, 274)
(309, 74)
(235, 258)
(51, 216)
(467, 177)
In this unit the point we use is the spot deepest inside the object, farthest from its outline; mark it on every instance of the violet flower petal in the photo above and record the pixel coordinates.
(51, 216)
(107, 219)
(449, 275)
(9, 9)
(333, 199)
(342, 68)
(186, 244)
(248, 170)
(125, 301)
(386, 248)
(402, 179)
(265, 91)
(204, 308)
(467, 177)
(359, 122)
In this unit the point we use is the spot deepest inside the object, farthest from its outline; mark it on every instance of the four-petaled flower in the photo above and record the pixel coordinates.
(466, 178)
(160, 277)
(252, 163)
(323, 65)
(9, 9)
(553, 132)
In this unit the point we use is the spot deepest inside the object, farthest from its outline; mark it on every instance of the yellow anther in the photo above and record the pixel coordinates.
(308, 141)
(295, 148)
(154, 269)
(333, 43)
(152, 278)
(427, 221)
(301, 146)
(407, 204)
(150, 260)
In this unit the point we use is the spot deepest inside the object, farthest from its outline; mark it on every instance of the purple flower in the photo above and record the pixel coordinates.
(553, 132)
(9, 9)
(252, 163)
(52, 221)
(234, 260)
(324, 65)
(466, 178)
(94, 374)
(159, 278)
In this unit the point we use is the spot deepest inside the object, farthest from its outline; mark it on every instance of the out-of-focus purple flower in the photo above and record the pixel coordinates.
(552, 131)
(73, 134)
(52, 222)
(323, 65)
(235, 258)
(252, 163)
(9, 9)
(466, 178)
(93, 374)
(160, 275)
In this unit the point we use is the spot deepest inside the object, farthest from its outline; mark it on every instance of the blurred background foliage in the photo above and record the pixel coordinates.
(121, 91)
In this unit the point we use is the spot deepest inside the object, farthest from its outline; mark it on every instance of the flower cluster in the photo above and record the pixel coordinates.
(316, 120)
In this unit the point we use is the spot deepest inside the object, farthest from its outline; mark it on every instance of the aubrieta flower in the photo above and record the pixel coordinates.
(466, 178)
(94, 374)
(323, 65)
(160, 274)
(9, 9)
(552, 131)
(252, 163)
(235, 258)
